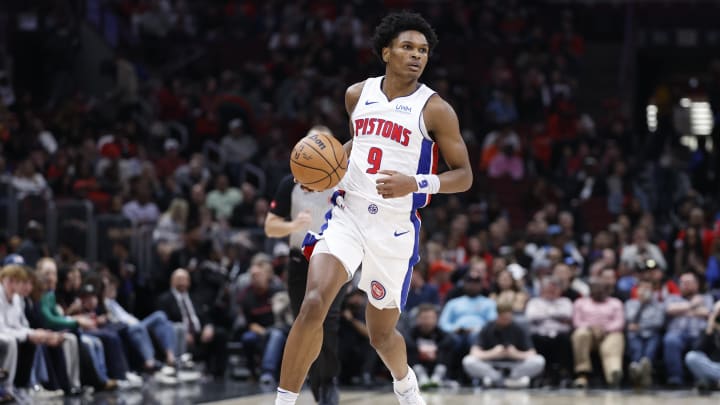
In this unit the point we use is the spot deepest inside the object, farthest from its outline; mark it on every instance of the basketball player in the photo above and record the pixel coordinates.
(293, 212)
(396, 123)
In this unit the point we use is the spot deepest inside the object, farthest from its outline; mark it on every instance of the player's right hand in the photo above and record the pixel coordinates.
(303, 220)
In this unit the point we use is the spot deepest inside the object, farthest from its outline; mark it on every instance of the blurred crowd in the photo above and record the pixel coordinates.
(579, 231)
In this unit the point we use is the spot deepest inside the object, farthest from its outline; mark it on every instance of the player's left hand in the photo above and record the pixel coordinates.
(394, 184)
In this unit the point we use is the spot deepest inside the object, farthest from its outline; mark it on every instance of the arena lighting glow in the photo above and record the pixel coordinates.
(685, 102)
(701, 119)
(689, 141)
(651, 112)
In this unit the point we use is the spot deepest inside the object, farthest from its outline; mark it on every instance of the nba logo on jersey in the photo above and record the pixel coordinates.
(377, 290)
(373, 209)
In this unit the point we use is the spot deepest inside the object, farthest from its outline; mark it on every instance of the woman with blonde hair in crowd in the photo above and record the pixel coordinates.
(168, 234)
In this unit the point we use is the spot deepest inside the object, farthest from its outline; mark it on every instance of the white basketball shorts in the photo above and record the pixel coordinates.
(385, 243)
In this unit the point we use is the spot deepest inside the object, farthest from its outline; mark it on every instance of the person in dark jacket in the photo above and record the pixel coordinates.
(429, 348)
(202, 337)
(704, 363)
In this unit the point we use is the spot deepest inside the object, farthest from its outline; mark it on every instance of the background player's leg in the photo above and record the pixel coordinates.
(326, 276)
(327, 366)
(297, 271)
(387, 341)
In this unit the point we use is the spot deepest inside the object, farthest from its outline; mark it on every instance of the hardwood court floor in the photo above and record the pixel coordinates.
(503, 397)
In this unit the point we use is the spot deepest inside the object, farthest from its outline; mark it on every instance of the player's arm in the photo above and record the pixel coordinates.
(442, 122)
(352, 95)
(279, 227)
(276, 224)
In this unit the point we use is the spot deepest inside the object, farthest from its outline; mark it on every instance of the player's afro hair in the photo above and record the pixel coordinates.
(393, 24)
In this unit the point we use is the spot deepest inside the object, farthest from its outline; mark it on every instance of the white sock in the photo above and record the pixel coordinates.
(285, 397)
(406, 383)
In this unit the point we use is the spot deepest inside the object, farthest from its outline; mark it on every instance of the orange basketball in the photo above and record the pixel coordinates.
(318, 161)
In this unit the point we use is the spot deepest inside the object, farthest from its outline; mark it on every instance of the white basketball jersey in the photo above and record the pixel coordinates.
(389, 135)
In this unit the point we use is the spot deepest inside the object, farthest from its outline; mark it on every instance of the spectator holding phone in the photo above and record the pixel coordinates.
(504, 346)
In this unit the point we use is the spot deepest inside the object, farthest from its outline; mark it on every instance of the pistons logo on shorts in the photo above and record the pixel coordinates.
(377, 290)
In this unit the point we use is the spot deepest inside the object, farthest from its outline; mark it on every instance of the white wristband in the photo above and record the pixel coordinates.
(427, 183)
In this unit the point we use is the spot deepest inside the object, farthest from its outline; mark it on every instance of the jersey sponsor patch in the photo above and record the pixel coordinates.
(377, 290)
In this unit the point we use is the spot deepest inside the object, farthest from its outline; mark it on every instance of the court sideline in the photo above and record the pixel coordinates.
(502, 397)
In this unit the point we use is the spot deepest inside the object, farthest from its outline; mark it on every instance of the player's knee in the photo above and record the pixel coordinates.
(382, 340)
(313, 309)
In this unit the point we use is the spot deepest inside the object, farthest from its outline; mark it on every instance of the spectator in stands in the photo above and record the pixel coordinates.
(478, 268)
(50, 371)
(198, 335)
(28, 182)
(11, 323)
(358, 358)
(142, 210)
(192, 173)
(507, 162)
(494, 142)
(223, 199)
(117, 363)
(236, 149)
(571, 286)
(644, 319)
(439, 277)
(599, 321)
(33, 247)
(506, 289)
(139, 332)
(8, 361)
(609, 278)
(430, 350)
(70, 281)
(420, 292)
(465, 316)
(663, 286)
(94, 372)
(550, 318)
(196, 204)
(712, 272)
(689, 254)
(504, 345)
(687, 319)
(168, 234)
(171, 160)
(606, 258)
(263, 338)
(640, 250)
(69, 345)
(704, 362)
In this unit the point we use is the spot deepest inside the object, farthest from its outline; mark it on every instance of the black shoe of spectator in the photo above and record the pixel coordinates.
(703, 387)
(615, 379)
